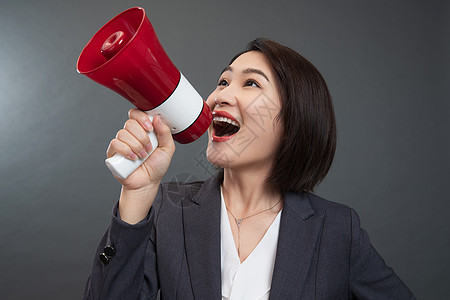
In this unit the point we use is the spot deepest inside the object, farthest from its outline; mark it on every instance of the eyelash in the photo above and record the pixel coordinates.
(222, 82)
(251, 81)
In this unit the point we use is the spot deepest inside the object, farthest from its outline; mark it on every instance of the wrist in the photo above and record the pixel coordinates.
(134, 205)
(140, 193)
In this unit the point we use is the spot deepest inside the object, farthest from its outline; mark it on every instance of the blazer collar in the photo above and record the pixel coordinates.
(202, 241)
(300, 227)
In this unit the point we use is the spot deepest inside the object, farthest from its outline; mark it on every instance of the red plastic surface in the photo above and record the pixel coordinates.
(113, 44)
(197, 129)
(140, 70)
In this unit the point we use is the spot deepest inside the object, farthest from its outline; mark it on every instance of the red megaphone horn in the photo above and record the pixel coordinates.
(126, 56)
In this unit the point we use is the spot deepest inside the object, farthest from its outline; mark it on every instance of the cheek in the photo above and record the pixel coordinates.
(277, 128)
(264, 130)
(261, 119)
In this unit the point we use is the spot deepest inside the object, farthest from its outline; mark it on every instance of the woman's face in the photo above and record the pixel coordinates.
(244, 132)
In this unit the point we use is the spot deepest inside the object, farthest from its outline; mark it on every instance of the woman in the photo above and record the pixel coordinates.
(254, 230)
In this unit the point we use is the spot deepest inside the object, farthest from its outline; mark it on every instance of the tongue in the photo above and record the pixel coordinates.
(224, 129)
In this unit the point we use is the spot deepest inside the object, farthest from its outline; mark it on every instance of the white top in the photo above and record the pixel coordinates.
(250, 280)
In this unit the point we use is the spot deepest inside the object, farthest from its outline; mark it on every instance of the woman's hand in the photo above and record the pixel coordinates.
(139, 189)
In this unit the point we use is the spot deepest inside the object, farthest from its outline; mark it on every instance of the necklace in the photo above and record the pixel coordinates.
(239, 222)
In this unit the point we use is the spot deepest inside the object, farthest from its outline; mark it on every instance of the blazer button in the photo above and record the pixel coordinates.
(103, 258)
(109, 251)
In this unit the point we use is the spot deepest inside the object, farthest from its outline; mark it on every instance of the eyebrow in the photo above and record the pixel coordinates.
(248, 71)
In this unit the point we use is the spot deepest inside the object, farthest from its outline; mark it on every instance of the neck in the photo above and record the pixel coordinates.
(246, 191)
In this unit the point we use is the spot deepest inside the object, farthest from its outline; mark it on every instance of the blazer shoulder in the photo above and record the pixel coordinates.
(190, 191)
(177, 193)
(182, 187)
(340, 215)
(323, 205)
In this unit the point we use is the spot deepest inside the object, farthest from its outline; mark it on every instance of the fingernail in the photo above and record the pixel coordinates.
(143, 154)
(149, 147)
(149, 125)
(132, 156)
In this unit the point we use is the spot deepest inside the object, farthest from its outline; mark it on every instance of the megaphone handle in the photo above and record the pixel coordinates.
(123, 167)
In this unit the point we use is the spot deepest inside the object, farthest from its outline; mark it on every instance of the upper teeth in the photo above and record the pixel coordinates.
(223, 119)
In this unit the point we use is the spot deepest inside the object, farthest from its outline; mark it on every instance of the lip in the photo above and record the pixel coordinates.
(224, 114)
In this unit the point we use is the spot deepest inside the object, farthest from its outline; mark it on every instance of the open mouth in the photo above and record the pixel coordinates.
(224, 125)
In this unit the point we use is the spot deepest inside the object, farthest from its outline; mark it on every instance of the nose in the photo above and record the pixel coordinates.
(224, 97)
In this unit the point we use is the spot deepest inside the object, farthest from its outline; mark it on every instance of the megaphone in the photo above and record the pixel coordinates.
(126, 56)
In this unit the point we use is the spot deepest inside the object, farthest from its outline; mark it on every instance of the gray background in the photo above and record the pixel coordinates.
(387, 66)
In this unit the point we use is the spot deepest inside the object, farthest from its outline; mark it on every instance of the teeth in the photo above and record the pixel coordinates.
(223, 119)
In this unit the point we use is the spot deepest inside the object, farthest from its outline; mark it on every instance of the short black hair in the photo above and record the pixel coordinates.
(308, 141)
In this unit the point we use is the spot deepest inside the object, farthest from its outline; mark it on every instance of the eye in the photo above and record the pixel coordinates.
(222, 82)
(251, 82)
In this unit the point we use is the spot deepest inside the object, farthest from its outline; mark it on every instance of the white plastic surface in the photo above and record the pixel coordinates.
(182, 108)
(123, 167)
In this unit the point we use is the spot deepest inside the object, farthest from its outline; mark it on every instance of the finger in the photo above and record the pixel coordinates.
(126, 137)
(117, 146)
(164, 135)
(141, 117)
(133, 127)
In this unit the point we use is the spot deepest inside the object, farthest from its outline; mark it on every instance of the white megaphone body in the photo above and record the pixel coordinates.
(126, 56)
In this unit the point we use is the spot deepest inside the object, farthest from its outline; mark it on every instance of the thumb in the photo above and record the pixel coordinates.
(165, 139)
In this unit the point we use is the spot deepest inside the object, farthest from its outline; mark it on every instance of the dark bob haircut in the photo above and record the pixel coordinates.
(308, 141)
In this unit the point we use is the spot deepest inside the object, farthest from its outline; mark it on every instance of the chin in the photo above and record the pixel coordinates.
(219, 158)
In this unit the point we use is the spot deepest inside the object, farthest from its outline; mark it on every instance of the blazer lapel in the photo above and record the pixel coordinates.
(300, 227)
(202, 241)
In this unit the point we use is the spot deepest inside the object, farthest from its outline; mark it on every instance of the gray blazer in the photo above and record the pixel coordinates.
(322, 252)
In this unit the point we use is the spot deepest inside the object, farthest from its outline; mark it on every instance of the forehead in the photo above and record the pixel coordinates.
(254, 60)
